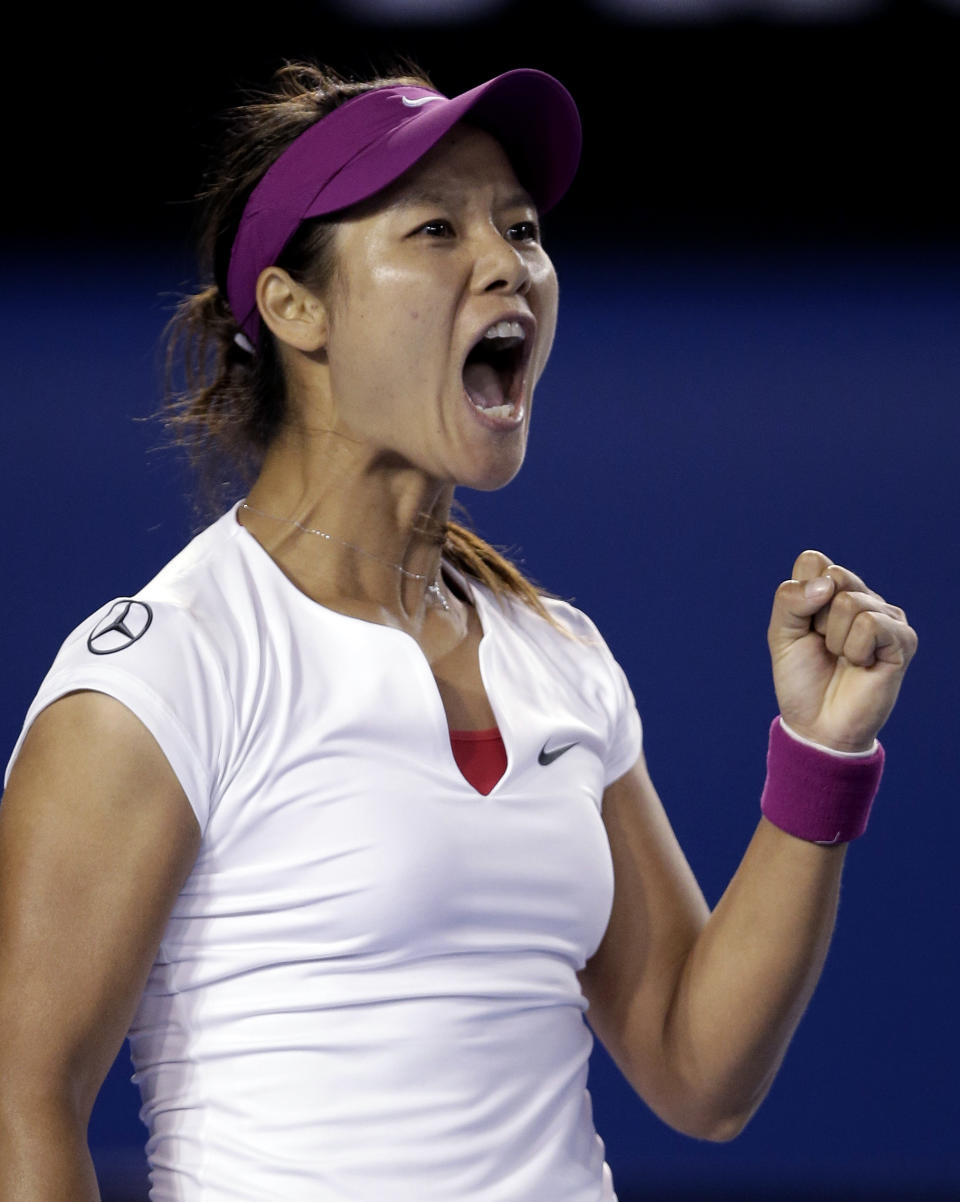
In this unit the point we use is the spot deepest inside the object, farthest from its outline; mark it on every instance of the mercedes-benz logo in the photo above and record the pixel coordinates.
(124, 623)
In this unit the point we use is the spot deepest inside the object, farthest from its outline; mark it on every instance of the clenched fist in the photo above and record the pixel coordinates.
(839, 653)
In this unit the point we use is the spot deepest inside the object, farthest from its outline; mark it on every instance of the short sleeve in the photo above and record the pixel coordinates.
(626, 739)
(153, 659)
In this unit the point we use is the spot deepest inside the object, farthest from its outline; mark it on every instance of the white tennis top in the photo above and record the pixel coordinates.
(366, 991)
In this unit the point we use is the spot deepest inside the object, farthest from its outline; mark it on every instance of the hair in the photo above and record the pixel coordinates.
(230, 404)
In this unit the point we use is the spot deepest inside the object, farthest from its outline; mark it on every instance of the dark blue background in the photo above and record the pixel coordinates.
(707, 414)
(759, 351)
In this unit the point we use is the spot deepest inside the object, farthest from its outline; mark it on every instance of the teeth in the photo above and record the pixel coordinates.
(501, 411)
(506, 329)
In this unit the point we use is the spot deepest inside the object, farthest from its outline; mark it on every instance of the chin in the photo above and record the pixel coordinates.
(491, 476)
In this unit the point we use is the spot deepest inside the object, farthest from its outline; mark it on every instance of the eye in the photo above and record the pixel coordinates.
(439, 227)
(524, 231)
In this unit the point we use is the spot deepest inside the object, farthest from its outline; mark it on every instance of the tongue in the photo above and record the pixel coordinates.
(483, 385)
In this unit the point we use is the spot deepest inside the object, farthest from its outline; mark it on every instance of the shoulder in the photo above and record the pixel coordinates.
(579, 624)
(569, 642)
(177, 613)
(161, 654)
(570, 636)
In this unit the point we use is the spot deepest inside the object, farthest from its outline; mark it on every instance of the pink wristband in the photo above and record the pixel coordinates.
(817, 796)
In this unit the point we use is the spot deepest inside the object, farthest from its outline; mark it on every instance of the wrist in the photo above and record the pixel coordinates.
(823, 747)
(816, 793)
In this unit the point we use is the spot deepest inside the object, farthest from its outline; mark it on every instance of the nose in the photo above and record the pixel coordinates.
(500, 266)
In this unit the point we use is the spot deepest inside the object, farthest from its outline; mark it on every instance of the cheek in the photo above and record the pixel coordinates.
(386, 355)
(398, 320)
(545, 284)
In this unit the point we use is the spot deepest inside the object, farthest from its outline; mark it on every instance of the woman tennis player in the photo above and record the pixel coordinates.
(339, 818)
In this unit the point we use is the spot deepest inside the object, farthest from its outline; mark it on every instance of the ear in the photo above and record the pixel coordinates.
(293, 313)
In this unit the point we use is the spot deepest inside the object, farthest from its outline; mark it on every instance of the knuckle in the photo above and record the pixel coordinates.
(783, 590)
(843, 578)
(807, 565)
(810, 559)
(867, 620)
(846, 604)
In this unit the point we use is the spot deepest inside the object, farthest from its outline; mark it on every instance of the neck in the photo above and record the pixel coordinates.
(385, 521)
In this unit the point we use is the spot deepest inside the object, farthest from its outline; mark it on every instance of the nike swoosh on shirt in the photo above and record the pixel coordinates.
(415, 104)
(547, 757)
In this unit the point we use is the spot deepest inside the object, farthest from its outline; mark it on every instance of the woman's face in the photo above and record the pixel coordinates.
(441, 316)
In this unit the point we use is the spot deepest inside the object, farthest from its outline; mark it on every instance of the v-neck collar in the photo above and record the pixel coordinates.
(476, 595)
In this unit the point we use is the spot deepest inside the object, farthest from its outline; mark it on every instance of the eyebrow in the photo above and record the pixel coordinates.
(413, 196)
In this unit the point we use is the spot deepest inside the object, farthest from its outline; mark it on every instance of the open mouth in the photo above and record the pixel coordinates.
(494, 370)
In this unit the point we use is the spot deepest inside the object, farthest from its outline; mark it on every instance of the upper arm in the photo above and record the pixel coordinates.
(658, 912)
(96, 840)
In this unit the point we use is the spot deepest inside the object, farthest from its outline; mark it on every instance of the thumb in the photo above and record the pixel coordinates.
(795, 603)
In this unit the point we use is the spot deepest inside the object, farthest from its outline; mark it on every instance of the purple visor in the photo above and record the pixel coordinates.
(370, 141)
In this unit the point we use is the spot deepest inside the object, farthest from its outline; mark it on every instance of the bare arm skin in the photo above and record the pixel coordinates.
(96, 840)
(698, 1009)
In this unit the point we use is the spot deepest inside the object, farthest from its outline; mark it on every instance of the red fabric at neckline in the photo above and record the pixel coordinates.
(480, 755)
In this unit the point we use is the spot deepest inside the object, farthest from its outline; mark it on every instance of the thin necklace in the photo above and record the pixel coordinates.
(434, 592)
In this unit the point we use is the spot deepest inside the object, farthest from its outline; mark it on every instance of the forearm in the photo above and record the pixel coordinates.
(748, 977)
(698, 1009)
(44, 1155)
